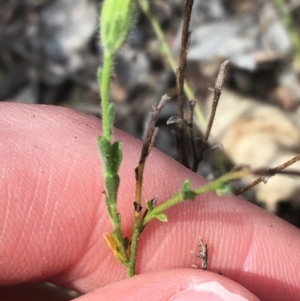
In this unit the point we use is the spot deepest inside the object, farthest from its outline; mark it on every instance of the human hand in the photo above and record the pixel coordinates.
(53, 217)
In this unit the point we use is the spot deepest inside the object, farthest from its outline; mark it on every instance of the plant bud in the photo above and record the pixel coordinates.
(116, 20)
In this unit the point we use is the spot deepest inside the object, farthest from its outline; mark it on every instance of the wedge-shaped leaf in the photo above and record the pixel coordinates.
(113, 245)
(162, 217)
(187, 193)
(149, 206)
(224, 190)
(105, 151)
(111, 155)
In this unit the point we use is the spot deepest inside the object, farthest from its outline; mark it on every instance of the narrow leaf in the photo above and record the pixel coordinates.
(116, 156)
(162, 217)
(105, 151)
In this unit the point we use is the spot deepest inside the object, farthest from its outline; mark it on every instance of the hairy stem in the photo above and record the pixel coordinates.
(104, 83)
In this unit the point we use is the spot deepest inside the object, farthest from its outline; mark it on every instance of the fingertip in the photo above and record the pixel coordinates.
(173, 285)
(208, 291)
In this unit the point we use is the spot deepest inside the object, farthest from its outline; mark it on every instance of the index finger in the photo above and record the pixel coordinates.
(53, 214)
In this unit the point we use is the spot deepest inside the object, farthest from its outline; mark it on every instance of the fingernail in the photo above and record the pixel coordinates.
(208, 291)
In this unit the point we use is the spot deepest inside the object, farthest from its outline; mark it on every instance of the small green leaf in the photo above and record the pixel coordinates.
(224, 190)
(149, 206)
(187, 193)
(111, 155)
(187, 185)
(105, 151)
(162, 217)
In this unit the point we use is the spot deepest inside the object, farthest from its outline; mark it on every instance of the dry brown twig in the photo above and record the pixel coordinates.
(190, 129)
(185, 38)
(149, 139)
(267, 173)
(217, 90)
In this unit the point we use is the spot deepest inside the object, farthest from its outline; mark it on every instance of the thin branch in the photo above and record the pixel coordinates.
(217, 93)
(149, 140)
(269, 173)
(185, 38)
(190, 128)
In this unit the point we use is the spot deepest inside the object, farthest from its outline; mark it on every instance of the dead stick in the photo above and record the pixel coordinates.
(185, 37)
(217, 93)
(268, 173)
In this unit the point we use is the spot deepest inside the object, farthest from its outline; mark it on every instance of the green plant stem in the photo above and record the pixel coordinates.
(178, 197)
(111, 153)
(134, 245)
(137, 220)
(168, 54)
(104, 83)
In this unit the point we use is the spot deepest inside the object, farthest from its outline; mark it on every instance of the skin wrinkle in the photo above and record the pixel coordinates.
(76, 274)
(183, 248)
(29, 215)
(51, 188)
(88, 245)
(265, 265)
(54, 211)
(46, 206)
(165, 242)
(16, 199)
(277, 259)
(102, 213)
(21, 236)
(58, 205)
(245, 246)
(249, 260)
(254, 249)
(66, 180)
(235, 220)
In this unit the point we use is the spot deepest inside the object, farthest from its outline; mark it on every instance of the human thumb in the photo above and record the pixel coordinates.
(173, 285)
